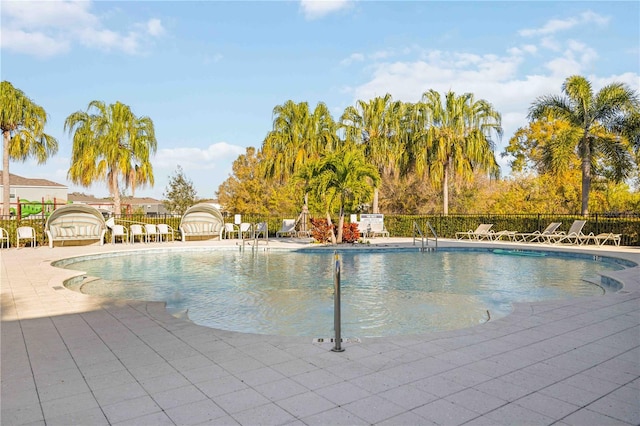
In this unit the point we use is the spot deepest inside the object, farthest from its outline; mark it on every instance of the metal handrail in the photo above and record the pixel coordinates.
(416, 229)
(433, 231)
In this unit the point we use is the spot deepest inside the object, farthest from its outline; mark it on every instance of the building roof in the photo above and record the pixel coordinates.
(15, 180)
(78, 197)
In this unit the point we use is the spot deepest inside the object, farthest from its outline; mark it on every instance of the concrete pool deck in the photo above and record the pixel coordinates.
(73, 359)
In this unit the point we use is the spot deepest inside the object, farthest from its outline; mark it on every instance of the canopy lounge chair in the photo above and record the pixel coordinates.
(288, 228)
(201, 221)
(77, 223)
(538, 236)
(481, 232)
(573, 236)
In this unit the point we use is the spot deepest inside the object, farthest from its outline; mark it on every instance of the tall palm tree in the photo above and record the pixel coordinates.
(22, 122)
(110, 143)
(344, 176)
(377, 126)
(459, 135)
(603, 121)
(298, 137)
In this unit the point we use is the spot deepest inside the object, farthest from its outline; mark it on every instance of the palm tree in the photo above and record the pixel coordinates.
(110, 143)
(458, 134)
(603, 121)
(298, 137)
(377, 126)
(22, 123)
(344, 176)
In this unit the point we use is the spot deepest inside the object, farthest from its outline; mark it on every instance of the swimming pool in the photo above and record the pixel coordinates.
(383, 293)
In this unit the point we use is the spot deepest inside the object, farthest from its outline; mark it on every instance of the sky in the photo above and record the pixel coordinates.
(209, 73)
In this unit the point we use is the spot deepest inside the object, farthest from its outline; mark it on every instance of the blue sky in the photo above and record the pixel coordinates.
(210, 73)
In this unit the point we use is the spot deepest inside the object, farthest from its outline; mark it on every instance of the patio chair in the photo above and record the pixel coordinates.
(229, 230)
(4, 238)
(151, 232)
(288, 228)
(119, 231)
(244, 230)
(165, 231)
(537, 236)
(136, 230)
(481, 232)
(573, 236)
(26, 233)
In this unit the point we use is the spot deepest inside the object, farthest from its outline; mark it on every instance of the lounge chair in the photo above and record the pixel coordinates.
(26, 233)
(288, 228)
(538, 236)
(603, 238)
(509, 235)
(201, 221)
(573, 236)
(481, 232)
(261, 228)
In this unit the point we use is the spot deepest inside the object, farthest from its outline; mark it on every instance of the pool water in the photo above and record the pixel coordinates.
(383, 294)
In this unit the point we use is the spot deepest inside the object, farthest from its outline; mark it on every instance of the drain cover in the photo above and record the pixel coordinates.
(332, 340)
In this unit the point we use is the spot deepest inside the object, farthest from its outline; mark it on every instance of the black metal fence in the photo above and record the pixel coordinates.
(402, 225)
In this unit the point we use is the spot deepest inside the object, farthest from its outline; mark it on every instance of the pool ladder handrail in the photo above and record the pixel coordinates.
(424, 237)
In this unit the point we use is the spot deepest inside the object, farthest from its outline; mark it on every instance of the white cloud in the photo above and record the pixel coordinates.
(45, 29)
(354, 57)
(198, 158)
(554, 26)
(155, 28)
(316, 9)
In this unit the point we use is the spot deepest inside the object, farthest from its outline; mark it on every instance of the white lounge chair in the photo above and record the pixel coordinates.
(288, 228)
(573, 236)
(261, 228)
(603, 238)
(481, 232)
(537, 236)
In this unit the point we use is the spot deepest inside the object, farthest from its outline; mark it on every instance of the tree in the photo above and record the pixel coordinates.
(605, 124)
(246, 191)
(459, 138)
(180, 193)
(298, 136)
(346, 177)
(376, 125)
(22, 122)
(111, 144)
